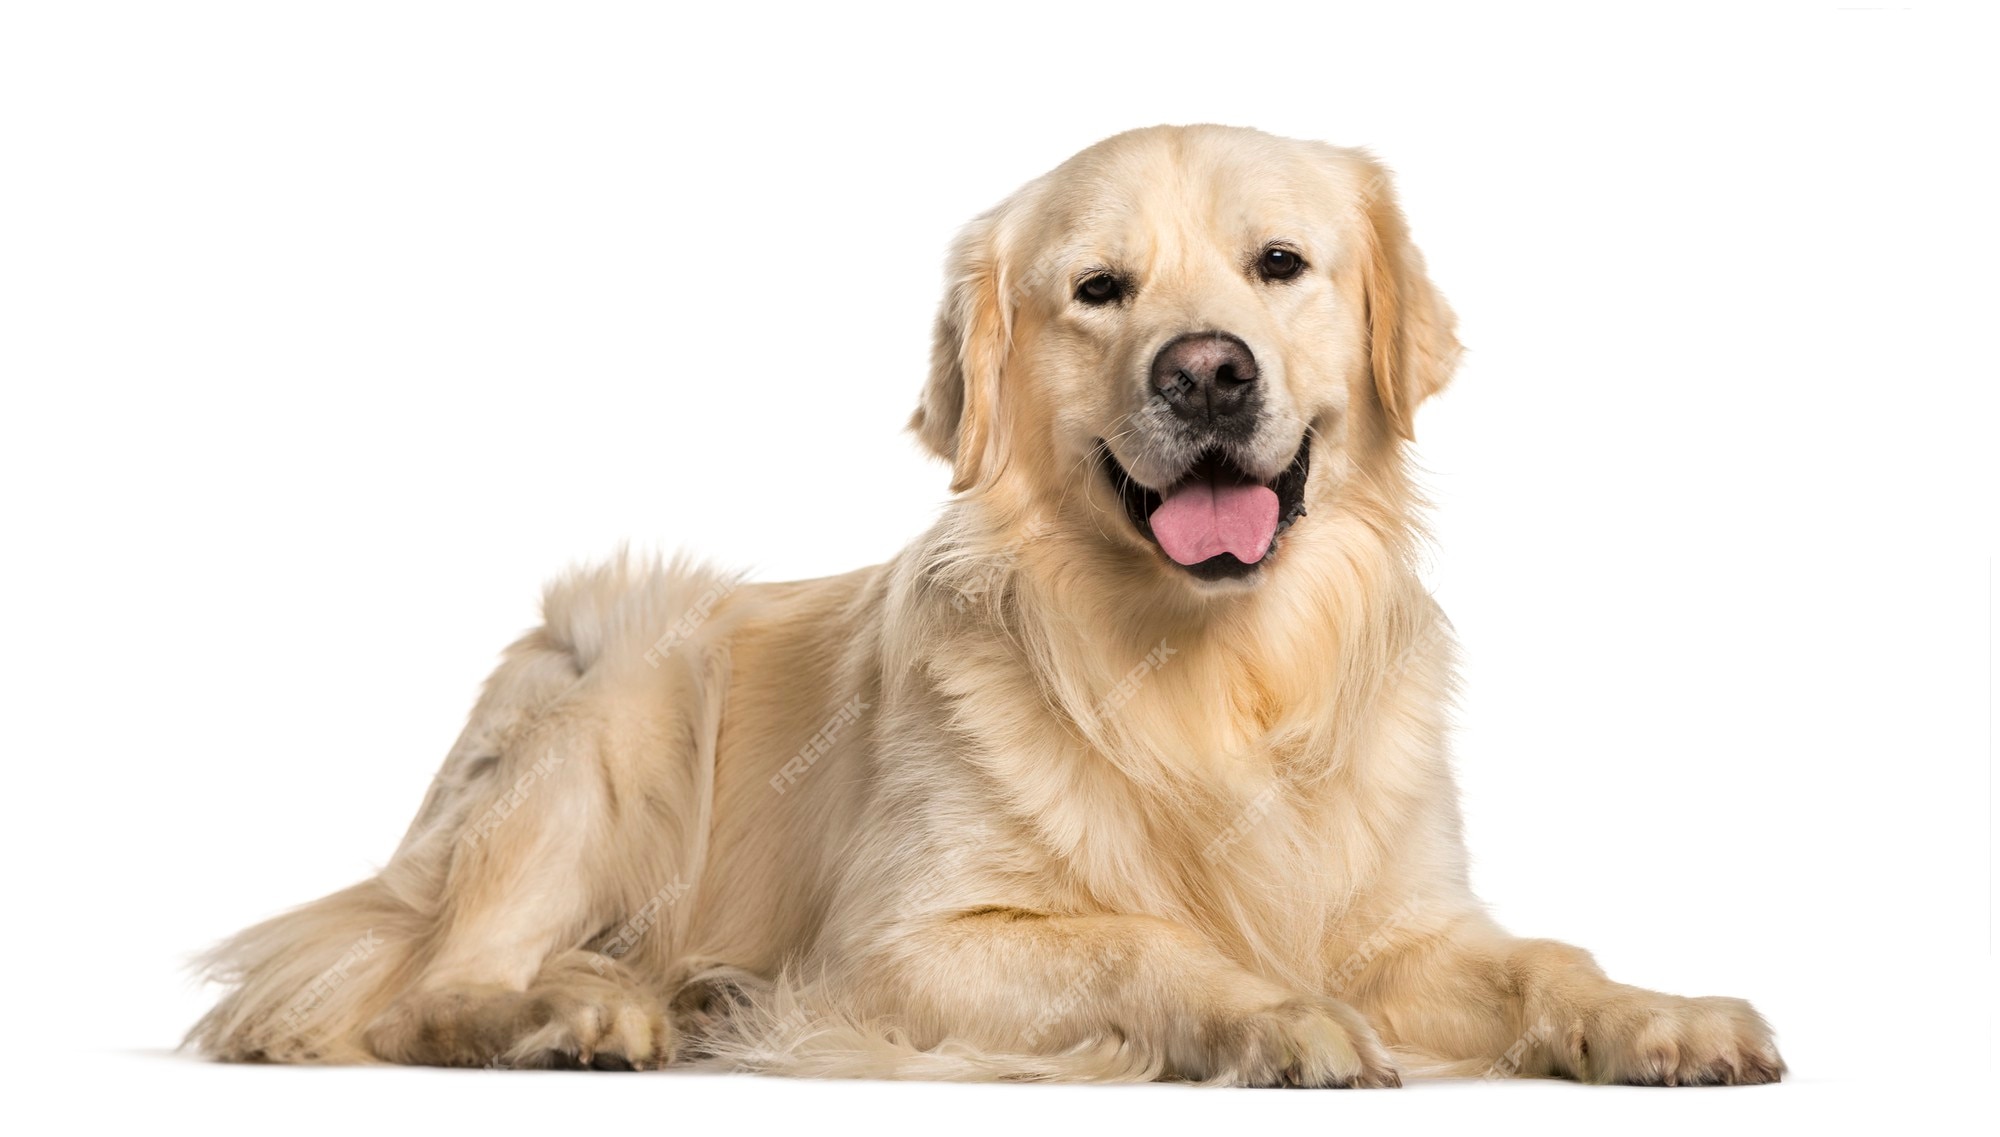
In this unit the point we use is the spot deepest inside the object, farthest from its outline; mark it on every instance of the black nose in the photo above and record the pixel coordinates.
(1208, 377)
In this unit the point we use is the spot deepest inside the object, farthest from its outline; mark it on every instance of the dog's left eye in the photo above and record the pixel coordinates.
(1102, 288)
(1280, 264)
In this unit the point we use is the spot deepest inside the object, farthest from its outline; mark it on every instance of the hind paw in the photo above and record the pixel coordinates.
(573, 1025)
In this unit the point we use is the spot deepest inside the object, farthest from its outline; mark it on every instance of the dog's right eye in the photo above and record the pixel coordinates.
(1103, 288)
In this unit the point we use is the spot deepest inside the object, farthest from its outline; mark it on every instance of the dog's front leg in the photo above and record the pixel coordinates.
(1510, 1007)
(1017, 979)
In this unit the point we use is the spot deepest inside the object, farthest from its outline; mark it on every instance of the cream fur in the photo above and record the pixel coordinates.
(1026, 801)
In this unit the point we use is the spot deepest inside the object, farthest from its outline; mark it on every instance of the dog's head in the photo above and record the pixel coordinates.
(1202, 335)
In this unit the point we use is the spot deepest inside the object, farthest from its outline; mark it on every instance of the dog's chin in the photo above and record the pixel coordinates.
(1217, 476)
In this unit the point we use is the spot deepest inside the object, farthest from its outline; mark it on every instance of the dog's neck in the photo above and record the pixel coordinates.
(1163, 675)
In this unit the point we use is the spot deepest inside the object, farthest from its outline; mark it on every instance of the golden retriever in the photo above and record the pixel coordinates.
(1134, 766)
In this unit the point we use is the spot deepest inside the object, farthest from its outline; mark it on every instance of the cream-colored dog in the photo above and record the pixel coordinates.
(1134, 766)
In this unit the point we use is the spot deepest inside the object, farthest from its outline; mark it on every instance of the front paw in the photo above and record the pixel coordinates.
(1643, 1038)
(1298, 1042)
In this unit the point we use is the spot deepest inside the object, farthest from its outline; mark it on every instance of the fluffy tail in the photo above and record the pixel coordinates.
(306, 983)
(784, 1028)
(738, 1022)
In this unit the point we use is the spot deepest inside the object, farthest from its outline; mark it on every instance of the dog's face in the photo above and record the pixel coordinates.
(1198, 332)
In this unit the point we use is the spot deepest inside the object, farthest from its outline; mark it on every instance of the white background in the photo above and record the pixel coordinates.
(328, 332)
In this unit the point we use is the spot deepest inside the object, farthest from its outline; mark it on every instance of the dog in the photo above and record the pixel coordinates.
(1133, 767)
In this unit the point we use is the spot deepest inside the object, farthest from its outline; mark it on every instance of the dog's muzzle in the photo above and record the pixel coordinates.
(1215, 521)
(1209, 380)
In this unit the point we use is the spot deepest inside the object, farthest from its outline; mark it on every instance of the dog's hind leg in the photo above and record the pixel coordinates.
(570, 817)
(591, 836)
(303, 984)
(540, 872)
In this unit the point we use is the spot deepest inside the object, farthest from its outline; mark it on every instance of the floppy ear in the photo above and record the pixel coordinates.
(958, 416)
(1412, 350)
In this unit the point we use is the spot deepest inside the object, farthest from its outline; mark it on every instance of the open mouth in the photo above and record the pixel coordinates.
(1216, 521)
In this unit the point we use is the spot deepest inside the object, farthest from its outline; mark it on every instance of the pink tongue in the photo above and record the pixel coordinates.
(1199, 521)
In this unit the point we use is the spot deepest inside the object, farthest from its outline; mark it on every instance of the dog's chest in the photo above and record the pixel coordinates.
(1256, 855)
(1192, 793)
